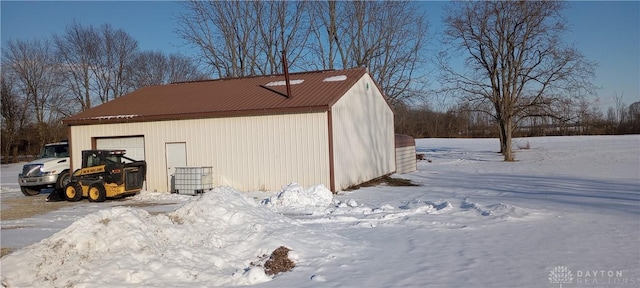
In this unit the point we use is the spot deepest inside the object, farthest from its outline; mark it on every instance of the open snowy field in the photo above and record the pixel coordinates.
(566, 214)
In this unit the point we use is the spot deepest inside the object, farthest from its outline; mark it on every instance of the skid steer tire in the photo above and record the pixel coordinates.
(97, 193)
(73, 192)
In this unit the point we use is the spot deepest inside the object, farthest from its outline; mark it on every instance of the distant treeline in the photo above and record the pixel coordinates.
(423, 122)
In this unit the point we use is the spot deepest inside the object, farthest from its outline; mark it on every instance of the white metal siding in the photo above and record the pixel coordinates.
(363, 135)
(406, 159)
(247, 153)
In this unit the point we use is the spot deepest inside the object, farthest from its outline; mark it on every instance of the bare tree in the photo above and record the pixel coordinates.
(324, 28)
(150, 68)
(37, 77)
(154, 68)
(14, 114)
(223, 32)
(116, 53)
(387, 37)
(77, 51)
(246, 38)
(96, 62)
(634, 118)
(282, 26)
(516, 61)
(182, 68)
(621, 109)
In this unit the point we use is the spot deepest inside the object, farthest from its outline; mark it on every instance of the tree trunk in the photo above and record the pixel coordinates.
(505, 128)
(508, 153)
(501, 136)
(14, 152)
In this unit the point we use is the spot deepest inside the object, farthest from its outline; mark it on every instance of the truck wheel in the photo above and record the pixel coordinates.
(97, 193)
(30, 191)
(73, 192)
(63, 180)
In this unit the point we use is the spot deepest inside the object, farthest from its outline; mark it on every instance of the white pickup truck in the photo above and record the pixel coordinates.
(51, 170)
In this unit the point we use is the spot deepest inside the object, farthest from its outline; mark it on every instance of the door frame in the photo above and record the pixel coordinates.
(168, 171)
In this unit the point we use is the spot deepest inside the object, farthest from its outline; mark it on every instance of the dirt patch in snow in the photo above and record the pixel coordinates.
(26, 207)
(278, 262)
(387, 180)
(5, 251)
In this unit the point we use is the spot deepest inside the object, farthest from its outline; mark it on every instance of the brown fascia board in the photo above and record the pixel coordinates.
(188, 116)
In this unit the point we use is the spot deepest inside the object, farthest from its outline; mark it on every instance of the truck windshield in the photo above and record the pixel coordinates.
(55, 151)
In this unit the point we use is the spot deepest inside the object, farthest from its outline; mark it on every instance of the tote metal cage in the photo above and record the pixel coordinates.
(193, 180)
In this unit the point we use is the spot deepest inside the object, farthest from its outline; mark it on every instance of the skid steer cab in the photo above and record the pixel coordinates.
(105, 174)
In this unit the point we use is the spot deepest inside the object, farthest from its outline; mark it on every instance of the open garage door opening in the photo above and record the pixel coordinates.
(134, 145)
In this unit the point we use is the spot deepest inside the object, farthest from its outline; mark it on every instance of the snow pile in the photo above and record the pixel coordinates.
(160, 196)
(498, 210)
(428, 207)
(215, 239)
(317, 201)
(317, 205)
(296, 197)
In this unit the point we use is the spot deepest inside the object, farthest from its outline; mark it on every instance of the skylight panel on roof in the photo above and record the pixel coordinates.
(283, 82)
(335, 78)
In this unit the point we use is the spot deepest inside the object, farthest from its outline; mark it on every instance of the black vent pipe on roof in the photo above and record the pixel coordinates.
(286, 73)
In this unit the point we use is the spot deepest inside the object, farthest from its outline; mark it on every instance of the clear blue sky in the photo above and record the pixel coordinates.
(606, 32)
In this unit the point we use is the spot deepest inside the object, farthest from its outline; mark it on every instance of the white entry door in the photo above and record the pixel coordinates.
(176, 154)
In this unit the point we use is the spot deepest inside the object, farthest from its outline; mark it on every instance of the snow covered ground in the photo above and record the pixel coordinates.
(567, 214)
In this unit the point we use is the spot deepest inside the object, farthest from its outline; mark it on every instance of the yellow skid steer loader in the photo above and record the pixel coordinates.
(105, 174)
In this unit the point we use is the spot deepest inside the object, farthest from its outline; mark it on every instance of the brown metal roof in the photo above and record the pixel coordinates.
(403, 140)
(262, 95)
